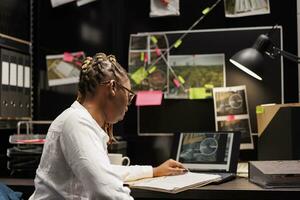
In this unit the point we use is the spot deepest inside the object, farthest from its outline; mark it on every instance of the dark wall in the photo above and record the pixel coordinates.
(112, 21)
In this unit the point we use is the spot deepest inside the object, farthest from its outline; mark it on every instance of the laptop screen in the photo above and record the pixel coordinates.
(206, 150)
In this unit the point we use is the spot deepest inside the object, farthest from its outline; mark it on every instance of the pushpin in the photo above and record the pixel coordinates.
(176, 82)
(157, 51)
(152, 69)
(182, 81)
(146, 58)
(153, 39)
(205, 11)
(177, 43)
(142, 56)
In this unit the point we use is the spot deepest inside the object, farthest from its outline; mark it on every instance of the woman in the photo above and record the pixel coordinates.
(74, 163)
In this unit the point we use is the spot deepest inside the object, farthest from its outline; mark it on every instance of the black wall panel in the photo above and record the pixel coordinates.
(63, 29)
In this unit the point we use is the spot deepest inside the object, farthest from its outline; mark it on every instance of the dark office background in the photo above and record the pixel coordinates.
(56, 30)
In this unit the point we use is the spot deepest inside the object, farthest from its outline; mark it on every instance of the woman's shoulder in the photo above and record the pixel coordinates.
(70, 115)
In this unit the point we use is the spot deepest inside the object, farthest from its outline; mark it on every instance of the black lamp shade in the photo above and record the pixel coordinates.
(249, 60)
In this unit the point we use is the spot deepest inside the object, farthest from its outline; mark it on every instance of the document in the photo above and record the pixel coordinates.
(175, 184)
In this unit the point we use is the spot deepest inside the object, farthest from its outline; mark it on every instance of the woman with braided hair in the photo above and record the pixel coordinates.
(74, 163)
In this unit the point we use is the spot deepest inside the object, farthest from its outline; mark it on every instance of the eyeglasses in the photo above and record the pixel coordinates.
(131, 94)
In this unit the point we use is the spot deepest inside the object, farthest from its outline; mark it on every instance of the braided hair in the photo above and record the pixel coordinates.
(97, 70)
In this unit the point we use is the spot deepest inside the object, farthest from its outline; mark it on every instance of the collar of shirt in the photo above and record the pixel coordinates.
(77, 105)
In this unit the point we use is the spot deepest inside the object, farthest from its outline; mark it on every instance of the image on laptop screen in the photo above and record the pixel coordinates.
(205, 151)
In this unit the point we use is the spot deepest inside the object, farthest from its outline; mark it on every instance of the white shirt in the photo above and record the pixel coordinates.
(75, 164)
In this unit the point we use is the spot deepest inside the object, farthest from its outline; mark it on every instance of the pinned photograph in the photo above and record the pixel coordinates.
(232, 114)
(196, 75)
(161, 8)
(241, 125)
(242, 8)
(146, 66)
(230, 102)
(64, 68)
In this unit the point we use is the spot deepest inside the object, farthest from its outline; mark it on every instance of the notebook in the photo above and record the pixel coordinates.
(210, 152)
(174, 184)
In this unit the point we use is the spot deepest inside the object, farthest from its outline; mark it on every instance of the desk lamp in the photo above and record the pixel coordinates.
(250, 60)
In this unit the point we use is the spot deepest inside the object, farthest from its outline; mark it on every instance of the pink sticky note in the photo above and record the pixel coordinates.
(176, 82)
(149, 98)
(158, 52)
(68, 57)
(230, 118)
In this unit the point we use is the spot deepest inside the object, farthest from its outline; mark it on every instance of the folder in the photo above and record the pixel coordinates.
(13, 84)
(20, 84)
(4, 83)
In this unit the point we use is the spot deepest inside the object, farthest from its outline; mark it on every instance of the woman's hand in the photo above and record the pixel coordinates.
(168, 168)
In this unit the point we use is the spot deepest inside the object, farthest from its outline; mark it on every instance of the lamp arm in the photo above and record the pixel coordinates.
(287, 55)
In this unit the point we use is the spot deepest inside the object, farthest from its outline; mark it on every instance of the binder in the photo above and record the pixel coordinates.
(5, 96)
(20, 84)
(27, 86)
(13, 84)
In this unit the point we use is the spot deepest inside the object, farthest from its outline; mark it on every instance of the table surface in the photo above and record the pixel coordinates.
(239, 188)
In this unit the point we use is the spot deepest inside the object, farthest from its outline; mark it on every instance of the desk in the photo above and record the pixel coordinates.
(240, 188)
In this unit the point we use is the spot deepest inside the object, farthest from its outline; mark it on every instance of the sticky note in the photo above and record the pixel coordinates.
(197, 93)
(176, 82)
(182, 81)
(205, 11)
(148, 98)
(153, 39)
(260, 110)
(152, 69)
(68, 57)
(139, 75)
(142, 57)
(209, 86)
(177, 43)
(157, 51)
(230, 118)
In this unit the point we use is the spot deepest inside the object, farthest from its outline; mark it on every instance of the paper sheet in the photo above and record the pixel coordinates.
(176, 183)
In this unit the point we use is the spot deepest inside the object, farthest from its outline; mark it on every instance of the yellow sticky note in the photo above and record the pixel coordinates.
(153, 39)
(205, 11)
(152, 69)
(209, 86)
(177, 43)
(139, 75)
(142, 56)
(197, 93)
(260, 110)
(182, 81)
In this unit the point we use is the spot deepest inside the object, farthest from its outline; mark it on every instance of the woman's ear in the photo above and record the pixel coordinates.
(113, 87)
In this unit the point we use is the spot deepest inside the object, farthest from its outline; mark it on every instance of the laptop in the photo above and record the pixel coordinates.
(210, 152)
